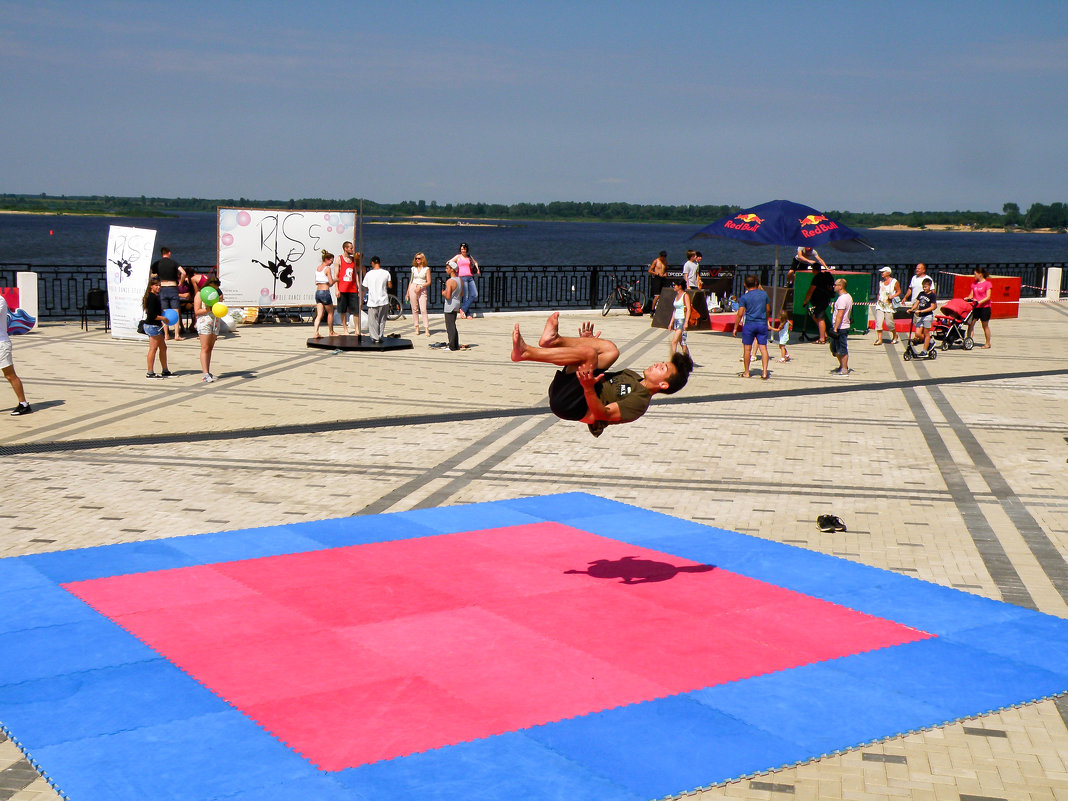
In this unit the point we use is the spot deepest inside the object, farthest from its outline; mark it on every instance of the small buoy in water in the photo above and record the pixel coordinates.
(50, 232)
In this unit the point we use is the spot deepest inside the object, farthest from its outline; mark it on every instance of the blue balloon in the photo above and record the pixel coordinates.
(171, 316)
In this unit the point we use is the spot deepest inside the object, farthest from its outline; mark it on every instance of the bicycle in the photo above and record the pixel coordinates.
(395, 311)
(629, 296)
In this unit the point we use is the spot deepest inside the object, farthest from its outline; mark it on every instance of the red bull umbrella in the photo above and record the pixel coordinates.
(784, 223)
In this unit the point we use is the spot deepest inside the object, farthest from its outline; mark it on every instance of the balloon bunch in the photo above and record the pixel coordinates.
(210, 296)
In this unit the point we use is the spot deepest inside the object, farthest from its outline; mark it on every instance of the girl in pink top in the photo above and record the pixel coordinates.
(980, 293)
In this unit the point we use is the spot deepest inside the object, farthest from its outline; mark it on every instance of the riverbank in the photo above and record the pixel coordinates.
(144, 214)
(966, 229)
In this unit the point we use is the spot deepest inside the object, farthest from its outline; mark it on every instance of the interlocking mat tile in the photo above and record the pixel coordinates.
(560, 647)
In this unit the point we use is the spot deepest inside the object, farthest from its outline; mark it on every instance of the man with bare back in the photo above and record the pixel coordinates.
(583, 390)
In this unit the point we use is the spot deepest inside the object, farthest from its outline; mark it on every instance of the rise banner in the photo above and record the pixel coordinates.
(129, 258)
(268, 257)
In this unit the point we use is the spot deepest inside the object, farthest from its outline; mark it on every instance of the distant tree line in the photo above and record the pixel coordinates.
(1038, 215)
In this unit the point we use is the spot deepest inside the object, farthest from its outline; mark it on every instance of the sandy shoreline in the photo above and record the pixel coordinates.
(963, 229)
(67, 213)
(426, 221)
(439, 223)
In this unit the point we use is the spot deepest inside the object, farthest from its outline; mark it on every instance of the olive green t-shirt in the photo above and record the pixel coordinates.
(625, 389)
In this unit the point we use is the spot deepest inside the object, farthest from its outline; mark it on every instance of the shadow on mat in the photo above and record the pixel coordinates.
(631, 570)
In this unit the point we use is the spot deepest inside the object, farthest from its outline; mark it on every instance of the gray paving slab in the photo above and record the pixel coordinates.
(951, 470)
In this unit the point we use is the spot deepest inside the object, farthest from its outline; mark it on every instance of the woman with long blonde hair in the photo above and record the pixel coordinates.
(417, 292)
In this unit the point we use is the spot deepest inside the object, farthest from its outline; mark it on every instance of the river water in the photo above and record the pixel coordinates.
(62, 239)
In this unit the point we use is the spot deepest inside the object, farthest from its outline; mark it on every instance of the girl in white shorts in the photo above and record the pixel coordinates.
(208, 327)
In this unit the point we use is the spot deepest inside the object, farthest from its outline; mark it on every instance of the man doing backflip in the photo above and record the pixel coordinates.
(582, 390)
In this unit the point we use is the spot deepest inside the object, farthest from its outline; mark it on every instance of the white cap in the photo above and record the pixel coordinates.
(885, 270)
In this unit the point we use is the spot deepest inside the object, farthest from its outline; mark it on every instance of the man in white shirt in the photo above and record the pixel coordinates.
(843, 308)
(916, 283)
(691, 270)
(8, 366)
(377, 284)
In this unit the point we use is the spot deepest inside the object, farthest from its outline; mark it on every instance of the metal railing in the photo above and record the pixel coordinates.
(62, 288)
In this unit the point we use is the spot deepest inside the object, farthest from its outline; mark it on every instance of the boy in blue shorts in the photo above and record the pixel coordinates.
(755, 306)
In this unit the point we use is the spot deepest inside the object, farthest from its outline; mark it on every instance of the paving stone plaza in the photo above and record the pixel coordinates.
(952, 471)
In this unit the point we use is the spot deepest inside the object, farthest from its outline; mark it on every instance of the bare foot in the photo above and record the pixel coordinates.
(551, 332)
(317, 335)
(518, 345)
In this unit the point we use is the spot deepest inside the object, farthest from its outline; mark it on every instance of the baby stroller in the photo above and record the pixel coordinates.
(951, 326)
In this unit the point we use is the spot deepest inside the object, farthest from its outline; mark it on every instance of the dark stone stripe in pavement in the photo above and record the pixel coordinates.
(997, 562)
(167, 395)
(844, 385)
(484, 414)
(16, 778)
(445, 493)
(1061, 702)
(1049, 558)
(268, 431)
(398, 493)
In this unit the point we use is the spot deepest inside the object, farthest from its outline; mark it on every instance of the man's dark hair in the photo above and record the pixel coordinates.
(683, 365)
(752, 281)
(164, 250)
(375, 260)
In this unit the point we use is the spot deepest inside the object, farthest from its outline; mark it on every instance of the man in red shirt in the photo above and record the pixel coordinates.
(348, 286)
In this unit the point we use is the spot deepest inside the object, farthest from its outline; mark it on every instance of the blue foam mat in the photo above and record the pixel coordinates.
(105, 717)
(76, 706)
(508, 766)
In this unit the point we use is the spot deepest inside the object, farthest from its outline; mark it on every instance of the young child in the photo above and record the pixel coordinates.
(924, 309)
(782, 327)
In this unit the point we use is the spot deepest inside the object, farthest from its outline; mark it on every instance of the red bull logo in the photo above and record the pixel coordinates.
(816, 224)
(744, 222)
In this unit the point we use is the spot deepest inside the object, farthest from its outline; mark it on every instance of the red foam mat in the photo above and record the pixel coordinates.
(357, 654)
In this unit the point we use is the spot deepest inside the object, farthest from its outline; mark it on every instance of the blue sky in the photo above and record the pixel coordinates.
(865, 106)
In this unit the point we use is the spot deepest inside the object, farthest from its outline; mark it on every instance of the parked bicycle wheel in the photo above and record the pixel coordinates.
(608, 303)
(395, 310)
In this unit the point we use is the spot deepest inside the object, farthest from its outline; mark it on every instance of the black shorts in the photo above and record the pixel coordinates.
(567, 398)
(982, 314)
(347, 302)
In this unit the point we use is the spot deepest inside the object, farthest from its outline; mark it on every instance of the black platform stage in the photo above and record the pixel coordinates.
(352, 342)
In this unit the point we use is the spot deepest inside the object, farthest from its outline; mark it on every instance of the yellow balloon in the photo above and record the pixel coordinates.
(218, 308)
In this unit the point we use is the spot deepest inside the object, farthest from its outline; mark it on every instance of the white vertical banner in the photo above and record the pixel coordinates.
(129, 260)
(268, 257)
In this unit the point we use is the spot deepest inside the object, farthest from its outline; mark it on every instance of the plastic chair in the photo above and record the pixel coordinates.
(96, 300)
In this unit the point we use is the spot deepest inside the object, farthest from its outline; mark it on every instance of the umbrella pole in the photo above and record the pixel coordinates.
(775, 276)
